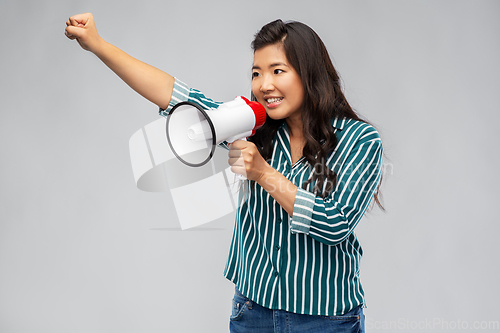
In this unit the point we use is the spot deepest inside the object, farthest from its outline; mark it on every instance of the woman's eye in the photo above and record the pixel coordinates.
(278, 71)
(255, 74)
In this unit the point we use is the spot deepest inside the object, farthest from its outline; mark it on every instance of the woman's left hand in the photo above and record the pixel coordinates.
(245, 159)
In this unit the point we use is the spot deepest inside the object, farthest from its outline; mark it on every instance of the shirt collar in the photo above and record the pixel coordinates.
(338, 123)
(284, 140)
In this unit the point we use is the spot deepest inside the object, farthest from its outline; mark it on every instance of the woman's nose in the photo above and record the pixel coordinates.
(267, 84)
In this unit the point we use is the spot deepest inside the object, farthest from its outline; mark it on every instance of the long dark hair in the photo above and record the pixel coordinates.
(323, 99)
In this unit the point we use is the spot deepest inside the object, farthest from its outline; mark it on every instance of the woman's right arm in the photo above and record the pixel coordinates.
(150, 82)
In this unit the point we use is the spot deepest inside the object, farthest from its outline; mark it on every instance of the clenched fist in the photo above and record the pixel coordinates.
(246, 160)
(82, 28)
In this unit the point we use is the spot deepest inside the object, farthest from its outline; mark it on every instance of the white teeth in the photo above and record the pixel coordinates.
(274, 100)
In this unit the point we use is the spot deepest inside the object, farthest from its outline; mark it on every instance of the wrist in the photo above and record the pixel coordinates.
(99, 47)
(267, 172)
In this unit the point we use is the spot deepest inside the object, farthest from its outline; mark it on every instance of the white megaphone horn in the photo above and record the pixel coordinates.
(193, 133)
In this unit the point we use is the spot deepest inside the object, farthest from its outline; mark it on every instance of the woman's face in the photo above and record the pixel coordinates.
(275, 84)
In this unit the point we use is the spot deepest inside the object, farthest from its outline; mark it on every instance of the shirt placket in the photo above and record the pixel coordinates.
(280, 243)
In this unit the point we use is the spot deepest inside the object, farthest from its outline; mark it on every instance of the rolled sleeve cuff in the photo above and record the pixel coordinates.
(179, 94)
(302, 212)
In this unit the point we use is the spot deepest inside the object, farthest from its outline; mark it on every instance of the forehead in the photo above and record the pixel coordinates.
(270, 54)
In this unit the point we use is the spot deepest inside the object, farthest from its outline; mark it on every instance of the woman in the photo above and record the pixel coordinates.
(312, 170)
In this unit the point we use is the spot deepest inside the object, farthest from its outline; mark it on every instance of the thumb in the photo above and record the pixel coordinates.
(75, 32)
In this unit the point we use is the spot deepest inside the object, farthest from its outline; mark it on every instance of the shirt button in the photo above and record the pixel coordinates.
(276, 273)
(279, 220)
(277, 247)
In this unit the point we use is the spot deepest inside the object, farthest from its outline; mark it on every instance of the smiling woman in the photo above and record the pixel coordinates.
(294, 256)
(312, 171)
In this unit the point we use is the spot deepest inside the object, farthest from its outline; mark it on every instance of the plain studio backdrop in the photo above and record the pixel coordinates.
(83, 250)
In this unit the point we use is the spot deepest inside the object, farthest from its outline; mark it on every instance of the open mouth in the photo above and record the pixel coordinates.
(274, 101)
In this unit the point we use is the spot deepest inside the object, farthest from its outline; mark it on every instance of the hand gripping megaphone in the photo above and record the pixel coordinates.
(193, 133)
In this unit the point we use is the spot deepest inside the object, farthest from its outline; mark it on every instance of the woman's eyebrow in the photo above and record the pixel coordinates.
(278, 64)
(272, 65)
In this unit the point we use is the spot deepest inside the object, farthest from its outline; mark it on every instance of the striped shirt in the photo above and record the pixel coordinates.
(307, 263)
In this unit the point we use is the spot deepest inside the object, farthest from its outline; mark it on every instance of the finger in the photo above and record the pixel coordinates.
(236, 162)
(79, 19)
(240, 144)
(232, 146)
(239, 170)
(73, 21)
(234, 153)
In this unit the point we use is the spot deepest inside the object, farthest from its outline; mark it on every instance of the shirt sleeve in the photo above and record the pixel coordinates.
(331, 220)
(182, 93)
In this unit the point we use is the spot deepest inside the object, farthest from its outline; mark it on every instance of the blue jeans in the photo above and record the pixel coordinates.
(248, 316)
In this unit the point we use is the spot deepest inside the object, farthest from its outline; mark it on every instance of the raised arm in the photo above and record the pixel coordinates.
(150, 82)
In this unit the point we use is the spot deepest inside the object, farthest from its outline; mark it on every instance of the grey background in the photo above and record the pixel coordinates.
(83, 250)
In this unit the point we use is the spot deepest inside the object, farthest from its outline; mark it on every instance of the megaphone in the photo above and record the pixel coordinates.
(193, 133)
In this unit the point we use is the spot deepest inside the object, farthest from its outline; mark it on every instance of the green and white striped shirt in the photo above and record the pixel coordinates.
(308, 263)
